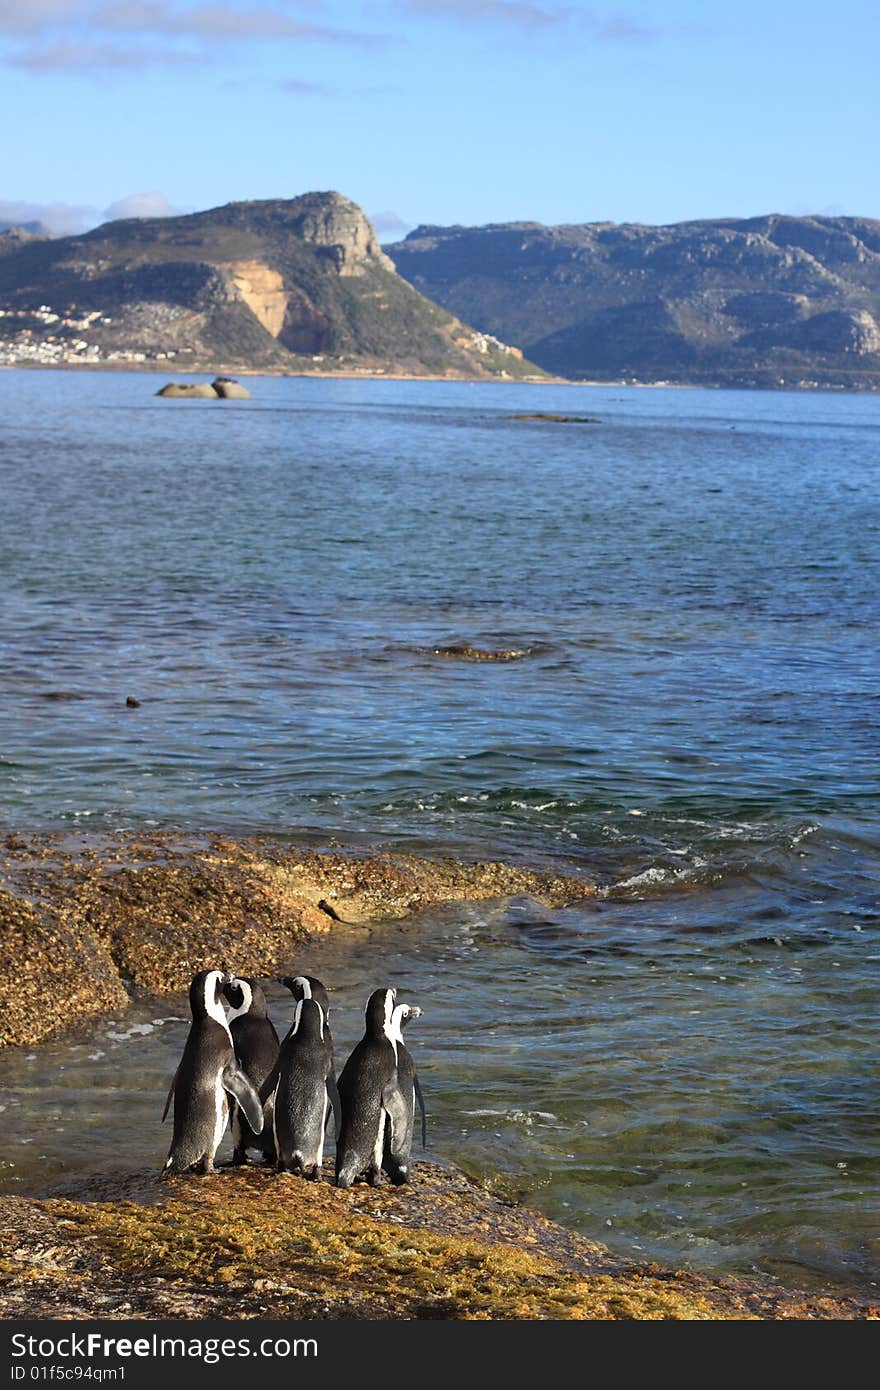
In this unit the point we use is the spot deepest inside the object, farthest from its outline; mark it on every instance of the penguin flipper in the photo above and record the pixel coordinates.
(333, 1093)
(421, 1099)
(240, 1088)
(170, 1095)
(398, 1134)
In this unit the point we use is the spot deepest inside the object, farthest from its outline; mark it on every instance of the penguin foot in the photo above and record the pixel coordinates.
(239, 1158)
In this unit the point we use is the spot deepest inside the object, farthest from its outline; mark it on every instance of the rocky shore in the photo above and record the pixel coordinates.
(85, 922)
(248, 1243)
(88, 922)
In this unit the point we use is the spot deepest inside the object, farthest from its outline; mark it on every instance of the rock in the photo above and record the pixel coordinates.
(559, 419)
(339, 227)
(229, 389)
(464, 652)
(189, 390)
(132, 703)
(146, 914)
(249, 1243)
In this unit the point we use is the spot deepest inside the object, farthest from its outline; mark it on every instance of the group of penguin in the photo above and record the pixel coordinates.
(282, 1092)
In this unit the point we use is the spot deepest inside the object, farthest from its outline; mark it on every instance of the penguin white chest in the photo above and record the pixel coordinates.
(221, 1111)
(379, 1145)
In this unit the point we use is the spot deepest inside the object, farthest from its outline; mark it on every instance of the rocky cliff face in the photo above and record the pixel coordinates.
(299, 284)
(332, 221)
(762, 301)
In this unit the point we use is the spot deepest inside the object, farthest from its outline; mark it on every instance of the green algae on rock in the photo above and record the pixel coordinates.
(251, 1243)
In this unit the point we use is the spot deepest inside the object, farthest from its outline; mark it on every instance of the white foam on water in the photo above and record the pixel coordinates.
(520, 1117)
(652, 875)
(137, 1030)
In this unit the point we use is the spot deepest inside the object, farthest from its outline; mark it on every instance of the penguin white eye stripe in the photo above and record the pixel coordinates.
(213, 1008)
(304, 986)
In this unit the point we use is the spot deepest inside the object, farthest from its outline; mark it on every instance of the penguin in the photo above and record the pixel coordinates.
(256, 1050)
(207, 1072)
(297, 984)
(301, 1086)
(398, 1141)
(372, 1099)
(406, 1012)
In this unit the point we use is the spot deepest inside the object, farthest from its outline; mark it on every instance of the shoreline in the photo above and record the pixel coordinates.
(365, 374)
(87, 921)
(250, 1243)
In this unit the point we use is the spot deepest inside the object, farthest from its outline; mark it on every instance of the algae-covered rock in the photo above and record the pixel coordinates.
(60, 973)
(250, 1243)
(152, 911)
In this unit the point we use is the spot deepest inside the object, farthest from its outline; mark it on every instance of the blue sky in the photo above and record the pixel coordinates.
(440, 111)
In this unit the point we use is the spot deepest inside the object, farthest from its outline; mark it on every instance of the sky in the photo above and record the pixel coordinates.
(440, 111)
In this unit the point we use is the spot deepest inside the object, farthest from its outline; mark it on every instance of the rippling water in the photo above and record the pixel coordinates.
(695, 580)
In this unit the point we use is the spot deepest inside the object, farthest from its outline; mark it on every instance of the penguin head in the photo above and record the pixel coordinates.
(307, 987)
(206, 994)
(379, 1012)
(401, 1017)
(239, 994)
(245, 997)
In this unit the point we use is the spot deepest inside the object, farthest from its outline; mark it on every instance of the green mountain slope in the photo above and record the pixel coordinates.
(289, 285)
(762, 301)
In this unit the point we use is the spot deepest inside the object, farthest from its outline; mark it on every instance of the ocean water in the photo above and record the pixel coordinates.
(685, 1066)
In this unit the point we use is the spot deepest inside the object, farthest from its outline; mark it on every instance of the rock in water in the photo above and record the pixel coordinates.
(191, 390)
(229, 389)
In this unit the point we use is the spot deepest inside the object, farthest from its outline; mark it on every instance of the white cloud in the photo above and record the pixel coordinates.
(94, 57)
(103, 35)
(140, 205)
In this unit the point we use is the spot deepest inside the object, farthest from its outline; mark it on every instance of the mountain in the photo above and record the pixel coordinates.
(26, 228)
(758, 302)
(289, 285)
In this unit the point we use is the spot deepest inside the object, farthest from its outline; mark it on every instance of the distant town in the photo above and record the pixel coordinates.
(24, 338)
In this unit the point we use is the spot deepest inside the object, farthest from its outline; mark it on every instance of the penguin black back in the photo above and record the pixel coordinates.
(302, 1087)
(256, 1049)
(364, 1084)
(206, 1074)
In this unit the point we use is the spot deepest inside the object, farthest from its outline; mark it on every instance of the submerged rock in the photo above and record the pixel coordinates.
(464, 652)
(559, 419)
